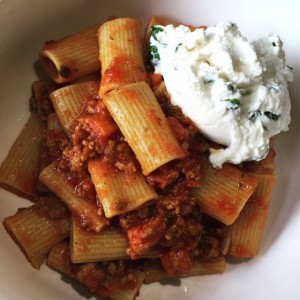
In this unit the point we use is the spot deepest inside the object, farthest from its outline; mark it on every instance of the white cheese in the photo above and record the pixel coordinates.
(234, 91)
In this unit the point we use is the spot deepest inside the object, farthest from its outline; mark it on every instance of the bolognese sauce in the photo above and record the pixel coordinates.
(173, 226)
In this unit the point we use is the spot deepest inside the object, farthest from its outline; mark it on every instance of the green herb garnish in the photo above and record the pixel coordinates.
(153, 50)
(252, 115)
(209, 81)
(271, 116)
(154, 53)
(155, 30)
(234, 103)
(177, 47)
(230, 87)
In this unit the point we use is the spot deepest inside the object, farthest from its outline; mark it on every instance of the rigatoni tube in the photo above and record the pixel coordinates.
(88, 246)
(59, 258)
(118, 192)
(19, 171)
(155, 272)
(120, 46)
(224, 192)
(72, 57)
(247, 230)
(86, 210)
(36, 231)
(68, 101)
(144, 125)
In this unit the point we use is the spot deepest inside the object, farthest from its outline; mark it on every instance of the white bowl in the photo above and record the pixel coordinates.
(25, 25)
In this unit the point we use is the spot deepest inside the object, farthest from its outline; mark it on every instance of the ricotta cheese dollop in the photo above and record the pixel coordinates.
(234, 91)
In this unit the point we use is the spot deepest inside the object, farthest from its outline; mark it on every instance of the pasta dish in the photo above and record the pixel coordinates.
(122, 186)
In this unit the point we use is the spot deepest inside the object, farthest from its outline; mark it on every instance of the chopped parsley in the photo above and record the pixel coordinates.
(153, 56)
(208, 78)
(208, 81)
(271, 116)
(154, 53)
(230, 87)
(155, 30)
(177, 47)
(253, 115)
(234, 103)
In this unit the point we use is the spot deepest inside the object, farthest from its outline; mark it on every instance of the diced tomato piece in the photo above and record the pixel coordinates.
(145, 235)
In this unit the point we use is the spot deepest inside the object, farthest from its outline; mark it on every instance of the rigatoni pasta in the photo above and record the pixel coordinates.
(118, 288)
(54, 140)
(154, 271)
(20, 169)
(120, 46)
(224, 192)
(68, 101)
(59, 258)
(71, 57)
(144, 125)
(119, 193)
(246, 232)
(89, 246)
(87, 211)
(53, 122)
(38, 228)
(40, 100)
(129, 294)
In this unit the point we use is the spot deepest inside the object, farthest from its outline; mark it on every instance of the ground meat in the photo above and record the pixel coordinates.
(184, 228)
(213, 235)
(186, 132)
(114, 151)
(164, 175)
(133, 218)
(176, 261)
(145, 235)
(90, 276)
(55, 141)
(174, 227)
(119, 154)
(193, 227)
(170, 225)
(77, 156)
(52, 208)
(80, 181)
(180, 132)
(106, 278)
(115, 269)
(82, 149)
(40, 101)
(185, 173)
